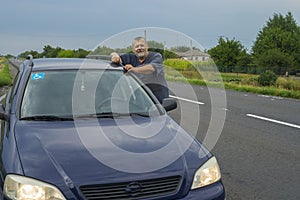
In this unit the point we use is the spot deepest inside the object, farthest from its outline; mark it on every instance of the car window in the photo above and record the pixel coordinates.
(81, 92)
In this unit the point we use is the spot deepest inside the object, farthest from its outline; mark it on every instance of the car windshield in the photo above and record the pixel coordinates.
(85, 93)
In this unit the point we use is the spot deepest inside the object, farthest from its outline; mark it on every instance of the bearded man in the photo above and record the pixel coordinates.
(146, 65)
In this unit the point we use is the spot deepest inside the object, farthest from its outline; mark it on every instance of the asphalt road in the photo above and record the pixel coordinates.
(258, 148)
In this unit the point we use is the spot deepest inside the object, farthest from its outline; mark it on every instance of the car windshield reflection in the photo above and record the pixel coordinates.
(85, 93)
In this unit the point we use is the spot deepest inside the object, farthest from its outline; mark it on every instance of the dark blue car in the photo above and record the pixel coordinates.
(83, 129)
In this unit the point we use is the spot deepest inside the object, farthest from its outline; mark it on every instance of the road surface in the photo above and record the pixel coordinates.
(259, 147)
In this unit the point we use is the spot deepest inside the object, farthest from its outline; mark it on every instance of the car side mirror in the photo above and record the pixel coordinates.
(169, 104)
(3, 114)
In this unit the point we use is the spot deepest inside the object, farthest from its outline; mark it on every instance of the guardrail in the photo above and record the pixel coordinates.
(15, 63)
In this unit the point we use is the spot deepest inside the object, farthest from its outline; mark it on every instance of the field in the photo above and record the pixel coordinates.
(5, 77)
(206, 73)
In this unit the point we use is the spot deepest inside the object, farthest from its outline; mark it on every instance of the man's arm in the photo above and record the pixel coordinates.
(145, 69)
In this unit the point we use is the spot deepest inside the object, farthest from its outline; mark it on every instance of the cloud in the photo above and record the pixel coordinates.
(79, 23)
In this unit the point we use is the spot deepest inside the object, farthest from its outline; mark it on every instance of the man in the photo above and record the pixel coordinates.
(146, 65)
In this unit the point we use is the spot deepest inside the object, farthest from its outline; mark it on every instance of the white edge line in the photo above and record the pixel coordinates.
(273, 120)
(2, 97)
(188, 100)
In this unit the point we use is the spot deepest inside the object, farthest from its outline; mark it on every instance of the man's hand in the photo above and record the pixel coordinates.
(129, 68)
(115, 58)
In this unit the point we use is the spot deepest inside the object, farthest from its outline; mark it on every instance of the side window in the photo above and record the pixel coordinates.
(9, 97)
(11, 93)
(16, 80)
(16, 83)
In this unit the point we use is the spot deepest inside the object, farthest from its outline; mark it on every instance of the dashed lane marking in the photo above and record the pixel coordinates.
(274, 121)
(188, 100)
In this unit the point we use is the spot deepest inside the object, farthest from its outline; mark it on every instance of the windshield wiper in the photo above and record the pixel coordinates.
(99, 115)
(113, 114)
(140, 114)
(47, 118)
(110, 115)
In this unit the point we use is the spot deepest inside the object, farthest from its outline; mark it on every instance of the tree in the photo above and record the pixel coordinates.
(124, 50)
(35, 54)
(155, 45)
(229, 54)
(275, 60)
(169, 54)
(50, 52)
(277, 46)
(66, 54)
(81, 53)
(102, 50)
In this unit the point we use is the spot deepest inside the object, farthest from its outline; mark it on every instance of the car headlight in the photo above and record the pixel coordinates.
(207, 174)
(21, 188)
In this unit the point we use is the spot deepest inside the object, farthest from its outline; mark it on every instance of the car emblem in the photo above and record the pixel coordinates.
(134, 188)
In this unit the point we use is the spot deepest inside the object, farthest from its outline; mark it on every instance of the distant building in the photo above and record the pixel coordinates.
(194, 55)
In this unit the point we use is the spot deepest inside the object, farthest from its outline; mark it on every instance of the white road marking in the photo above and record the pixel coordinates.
(1, 98)
(272, 97)
(188, 100)
(273, 120)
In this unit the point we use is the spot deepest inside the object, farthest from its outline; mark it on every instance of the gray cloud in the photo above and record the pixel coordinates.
(28, 25)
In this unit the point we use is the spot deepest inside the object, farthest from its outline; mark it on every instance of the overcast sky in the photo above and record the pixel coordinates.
(73, 24)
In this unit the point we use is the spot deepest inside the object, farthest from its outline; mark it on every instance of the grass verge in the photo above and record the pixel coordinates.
(271, 91)
(206, 73)
(5, 76)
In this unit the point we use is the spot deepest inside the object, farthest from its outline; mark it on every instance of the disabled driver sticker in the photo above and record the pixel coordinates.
(37, 76)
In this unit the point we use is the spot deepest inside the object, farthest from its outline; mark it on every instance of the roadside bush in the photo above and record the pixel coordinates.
(281, 83)
(267, 78)
(250, 81)
(293, 84)
(288, 83)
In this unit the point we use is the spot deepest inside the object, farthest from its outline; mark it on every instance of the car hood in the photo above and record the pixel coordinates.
(95, 151)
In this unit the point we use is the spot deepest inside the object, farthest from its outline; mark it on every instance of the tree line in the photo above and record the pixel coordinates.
(276, 49)
(56, 52)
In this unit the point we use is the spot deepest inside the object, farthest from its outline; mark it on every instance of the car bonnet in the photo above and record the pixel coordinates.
(106, 150)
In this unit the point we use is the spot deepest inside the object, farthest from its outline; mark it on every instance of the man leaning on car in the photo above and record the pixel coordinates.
(146, 65)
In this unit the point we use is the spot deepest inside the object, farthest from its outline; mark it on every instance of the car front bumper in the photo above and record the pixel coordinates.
(212, 192)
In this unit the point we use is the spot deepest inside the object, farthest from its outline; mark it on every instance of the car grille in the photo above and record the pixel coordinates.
(133, 190)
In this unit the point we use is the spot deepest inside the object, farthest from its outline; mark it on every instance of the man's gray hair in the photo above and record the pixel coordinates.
(139, 38)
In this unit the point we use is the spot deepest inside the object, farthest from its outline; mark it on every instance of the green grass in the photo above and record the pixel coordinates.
(206, 74)
(5, 76)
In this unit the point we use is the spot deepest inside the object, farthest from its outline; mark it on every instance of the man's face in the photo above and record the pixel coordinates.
(140, 49)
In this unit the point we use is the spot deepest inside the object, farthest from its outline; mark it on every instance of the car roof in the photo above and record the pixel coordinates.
(72, 63)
